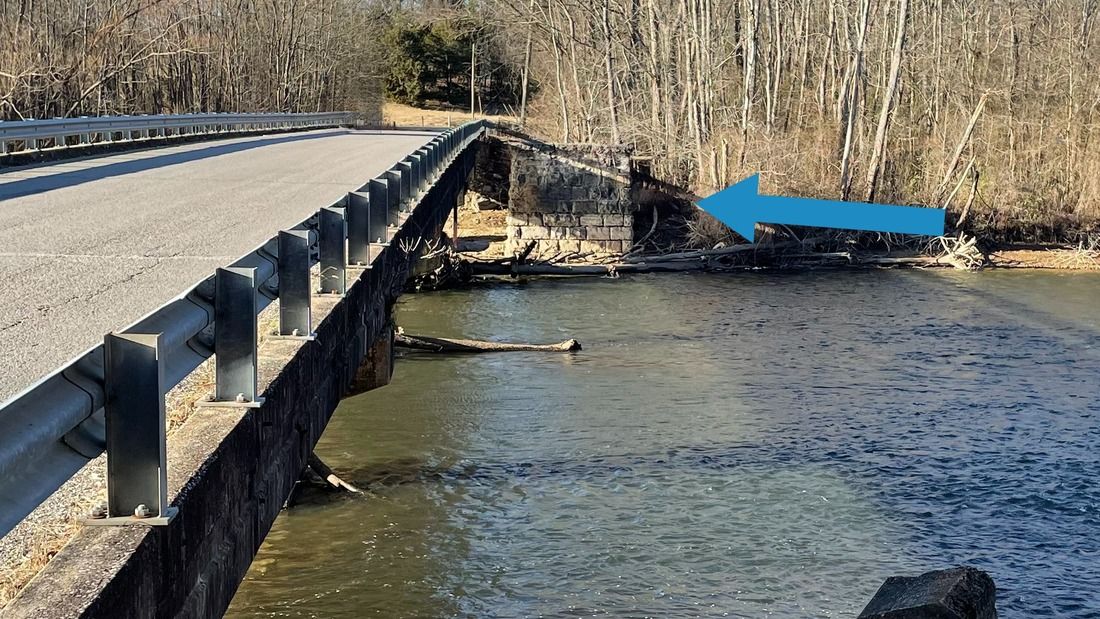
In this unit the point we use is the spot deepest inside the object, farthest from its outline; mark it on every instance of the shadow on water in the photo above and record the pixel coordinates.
(71, 178)
(418, 470)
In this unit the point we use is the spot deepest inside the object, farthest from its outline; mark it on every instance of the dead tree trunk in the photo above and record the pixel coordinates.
(851, 111)
(450, 345)
(874, 169)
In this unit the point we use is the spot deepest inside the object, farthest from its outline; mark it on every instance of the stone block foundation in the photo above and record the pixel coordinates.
(569, 200)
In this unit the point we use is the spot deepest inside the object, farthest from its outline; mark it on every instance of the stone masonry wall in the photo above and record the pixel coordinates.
(570, 199)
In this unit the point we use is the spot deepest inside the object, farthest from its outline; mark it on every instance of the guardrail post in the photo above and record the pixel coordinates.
(414, 161)
(333, 251)
(406, 170)
(424, 163)
(393, 194)
(378, 218)
(358, 213)
(295, 310)
(235, 325)
(137, 468)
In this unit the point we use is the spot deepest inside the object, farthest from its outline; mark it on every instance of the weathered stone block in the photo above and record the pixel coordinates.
(524, 199)
(591, 220)
(559, 219)
(957, 593)
(599, 233)
(614, 219)
(621, 233)
(585, 207)
(536, 232)
(556, 191)
(517, 219)
(567, 246)
(594, 247)
(546, 247)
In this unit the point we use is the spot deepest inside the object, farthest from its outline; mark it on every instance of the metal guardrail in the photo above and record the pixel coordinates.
(108, 398)
(31, 135)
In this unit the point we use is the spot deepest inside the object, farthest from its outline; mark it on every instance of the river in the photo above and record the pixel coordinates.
(743, 445)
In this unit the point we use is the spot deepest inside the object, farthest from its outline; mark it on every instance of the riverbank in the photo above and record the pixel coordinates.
(482, 236)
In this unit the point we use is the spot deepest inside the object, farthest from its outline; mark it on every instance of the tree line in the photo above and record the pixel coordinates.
(986, 106)
(93, 57)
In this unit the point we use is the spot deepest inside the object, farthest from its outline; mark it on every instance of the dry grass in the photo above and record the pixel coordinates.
(1077, 259)
(408, 116)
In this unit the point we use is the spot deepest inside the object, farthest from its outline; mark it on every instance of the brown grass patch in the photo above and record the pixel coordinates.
(409, 116)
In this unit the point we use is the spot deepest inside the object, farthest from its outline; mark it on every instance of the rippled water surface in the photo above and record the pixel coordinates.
(724, 445)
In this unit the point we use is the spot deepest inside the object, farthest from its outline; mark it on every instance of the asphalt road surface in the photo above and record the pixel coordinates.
(91, 245)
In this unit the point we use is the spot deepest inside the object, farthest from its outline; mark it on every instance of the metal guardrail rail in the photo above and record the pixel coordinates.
(32, 135)
(53, 428)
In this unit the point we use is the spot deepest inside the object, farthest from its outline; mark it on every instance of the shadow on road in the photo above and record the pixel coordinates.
(61, 179)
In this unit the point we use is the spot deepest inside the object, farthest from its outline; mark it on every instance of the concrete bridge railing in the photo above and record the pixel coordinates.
(112, 396)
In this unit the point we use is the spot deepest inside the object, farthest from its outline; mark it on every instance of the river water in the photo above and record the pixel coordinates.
(743, 445)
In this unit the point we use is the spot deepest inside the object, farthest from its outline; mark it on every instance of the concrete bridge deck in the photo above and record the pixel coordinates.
(90, 245)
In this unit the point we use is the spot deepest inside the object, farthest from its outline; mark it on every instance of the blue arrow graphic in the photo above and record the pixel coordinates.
(741, 207)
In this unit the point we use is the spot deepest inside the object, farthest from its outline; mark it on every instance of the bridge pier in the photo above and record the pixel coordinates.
(377, 367)
(566, 198)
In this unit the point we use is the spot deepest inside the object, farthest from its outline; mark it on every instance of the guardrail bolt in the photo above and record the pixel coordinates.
(141, 511)
(99, 511)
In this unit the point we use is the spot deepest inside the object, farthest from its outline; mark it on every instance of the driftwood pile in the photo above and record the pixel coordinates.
(959, 252)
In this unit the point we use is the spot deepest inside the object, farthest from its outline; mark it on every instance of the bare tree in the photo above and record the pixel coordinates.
(874, 168)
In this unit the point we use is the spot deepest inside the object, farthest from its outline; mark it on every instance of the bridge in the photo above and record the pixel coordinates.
(323, 225)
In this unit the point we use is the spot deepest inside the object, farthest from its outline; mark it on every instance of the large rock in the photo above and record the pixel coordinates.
(957, 593)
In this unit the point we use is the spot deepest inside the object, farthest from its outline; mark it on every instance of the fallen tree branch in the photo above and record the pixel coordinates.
(721, 251)
(481, 268)
(325, 473)
(450, 345)
(692, 255)
(521, 258)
